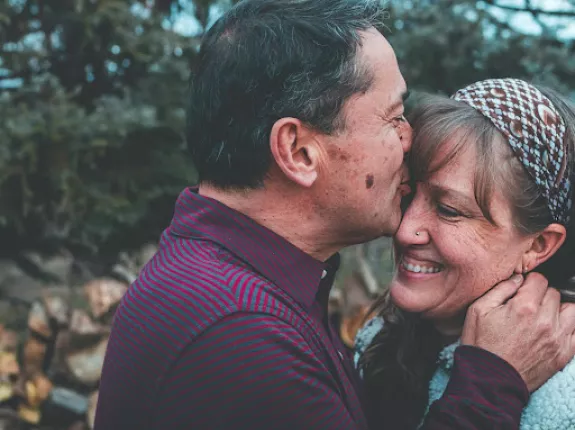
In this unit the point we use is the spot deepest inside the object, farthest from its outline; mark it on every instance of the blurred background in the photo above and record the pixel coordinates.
(92, 158)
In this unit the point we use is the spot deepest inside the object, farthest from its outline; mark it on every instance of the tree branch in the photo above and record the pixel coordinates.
(536, 17)
(533, 11)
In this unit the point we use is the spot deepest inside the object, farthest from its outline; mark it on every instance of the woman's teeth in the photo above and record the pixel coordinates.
(420, 269)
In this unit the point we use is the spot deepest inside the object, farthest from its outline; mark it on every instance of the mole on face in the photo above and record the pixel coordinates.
(369, 181)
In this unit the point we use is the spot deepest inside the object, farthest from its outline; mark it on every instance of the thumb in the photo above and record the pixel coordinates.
(499, 294)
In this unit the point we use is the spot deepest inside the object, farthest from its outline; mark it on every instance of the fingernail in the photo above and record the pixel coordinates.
(517, 279)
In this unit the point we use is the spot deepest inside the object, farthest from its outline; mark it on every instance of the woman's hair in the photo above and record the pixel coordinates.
(400, 361)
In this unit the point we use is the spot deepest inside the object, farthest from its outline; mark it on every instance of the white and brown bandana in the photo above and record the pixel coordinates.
(535, 131)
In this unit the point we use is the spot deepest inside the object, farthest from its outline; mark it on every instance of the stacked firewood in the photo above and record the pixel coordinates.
(52, 381)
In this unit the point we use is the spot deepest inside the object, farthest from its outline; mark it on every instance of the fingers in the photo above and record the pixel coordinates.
(551, 303)
(498, 295)
(567, 332)
(532, 291)
(491, 300)
(567, 318)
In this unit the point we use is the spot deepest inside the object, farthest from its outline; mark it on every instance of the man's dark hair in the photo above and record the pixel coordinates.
(269, 59)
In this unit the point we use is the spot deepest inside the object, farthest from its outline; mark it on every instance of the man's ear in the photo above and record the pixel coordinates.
(296, 151)
(543, 246)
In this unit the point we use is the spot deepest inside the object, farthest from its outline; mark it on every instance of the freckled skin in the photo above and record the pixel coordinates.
(475, 254)
(370, 143)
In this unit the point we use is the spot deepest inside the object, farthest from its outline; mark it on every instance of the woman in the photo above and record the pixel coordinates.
(493, 196)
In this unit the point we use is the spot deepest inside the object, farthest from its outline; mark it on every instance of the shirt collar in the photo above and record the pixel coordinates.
(291, 269)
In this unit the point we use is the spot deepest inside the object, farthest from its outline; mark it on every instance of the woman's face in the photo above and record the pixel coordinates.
(458, 255)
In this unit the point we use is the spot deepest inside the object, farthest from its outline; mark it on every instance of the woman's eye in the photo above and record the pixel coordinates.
(447, 212)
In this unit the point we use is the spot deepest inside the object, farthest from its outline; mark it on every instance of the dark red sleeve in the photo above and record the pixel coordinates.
(484, 392)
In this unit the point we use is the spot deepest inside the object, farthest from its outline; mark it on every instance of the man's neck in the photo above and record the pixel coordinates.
(286, 215)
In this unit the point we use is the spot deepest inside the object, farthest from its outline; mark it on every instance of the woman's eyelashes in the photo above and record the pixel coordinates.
(447, 211)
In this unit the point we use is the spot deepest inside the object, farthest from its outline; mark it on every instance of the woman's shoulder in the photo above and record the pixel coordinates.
(365, 335)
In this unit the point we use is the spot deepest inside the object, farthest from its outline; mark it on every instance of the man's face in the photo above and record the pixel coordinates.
(361, 183)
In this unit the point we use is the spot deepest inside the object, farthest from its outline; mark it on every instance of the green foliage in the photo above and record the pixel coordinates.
(91, 148)
(444, 45)
(92, 95)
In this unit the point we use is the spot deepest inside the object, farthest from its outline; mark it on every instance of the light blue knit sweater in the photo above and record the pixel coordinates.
(551, 407)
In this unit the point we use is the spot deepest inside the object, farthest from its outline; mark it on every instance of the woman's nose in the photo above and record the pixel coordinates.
(414, 227)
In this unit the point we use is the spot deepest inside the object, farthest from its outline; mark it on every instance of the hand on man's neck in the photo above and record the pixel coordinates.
(283, 211)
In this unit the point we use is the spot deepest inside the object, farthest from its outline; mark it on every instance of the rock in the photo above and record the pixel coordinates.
(64, 399)
(8, 340)
(57, 307)
(33, 356)
(9, 420)
(6, 391)
(350, 325)
(145, 254)
(356, 302)
(56, 267)
(28, 414)
(37, 389)
(129, 265)
(124, 274)
(16, 284)
(104, 295)
(9, 371)
(39, 321)
(93, 403)
(81, 325)
(9, 368)
(86, 364)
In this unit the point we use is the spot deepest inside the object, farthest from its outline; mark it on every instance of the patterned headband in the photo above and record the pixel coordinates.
(535, 131)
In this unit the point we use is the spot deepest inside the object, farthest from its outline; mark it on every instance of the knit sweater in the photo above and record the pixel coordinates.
(551, 407)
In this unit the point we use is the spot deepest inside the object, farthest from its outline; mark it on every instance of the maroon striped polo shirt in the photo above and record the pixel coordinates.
(226, 328)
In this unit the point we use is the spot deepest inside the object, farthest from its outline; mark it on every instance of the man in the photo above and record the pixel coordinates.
(297, 131)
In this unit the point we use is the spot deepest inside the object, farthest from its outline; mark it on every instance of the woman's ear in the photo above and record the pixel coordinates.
(543, 246)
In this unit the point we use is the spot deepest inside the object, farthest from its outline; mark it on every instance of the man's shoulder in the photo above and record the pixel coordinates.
(198, 283)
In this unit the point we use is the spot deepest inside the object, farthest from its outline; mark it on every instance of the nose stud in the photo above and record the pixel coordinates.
(417, 233)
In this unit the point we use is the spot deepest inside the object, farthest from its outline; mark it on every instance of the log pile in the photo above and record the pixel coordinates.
(50, 371)
(52, 381)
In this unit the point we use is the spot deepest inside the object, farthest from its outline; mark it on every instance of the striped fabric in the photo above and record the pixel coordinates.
(226, 328)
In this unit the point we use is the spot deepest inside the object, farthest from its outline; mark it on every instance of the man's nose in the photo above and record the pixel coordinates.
(406, 137)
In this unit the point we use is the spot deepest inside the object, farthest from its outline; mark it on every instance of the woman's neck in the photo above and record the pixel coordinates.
(450, 328)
